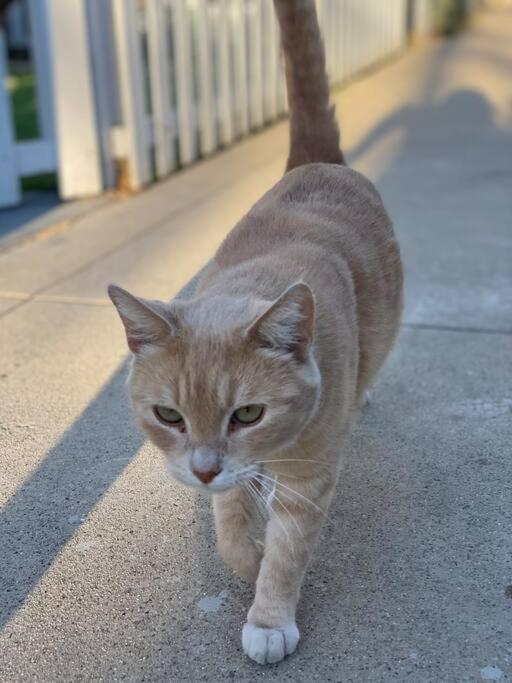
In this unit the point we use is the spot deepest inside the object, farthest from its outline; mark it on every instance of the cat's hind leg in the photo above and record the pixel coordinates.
(235, 524)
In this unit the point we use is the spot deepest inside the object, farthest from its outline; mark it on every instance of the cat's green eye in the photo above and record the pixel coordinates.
(168, 415)
(247, 415)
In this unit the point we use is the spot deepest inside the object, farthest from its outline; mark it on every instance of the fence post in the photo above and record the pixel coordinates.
(79, 159)
(9, 185)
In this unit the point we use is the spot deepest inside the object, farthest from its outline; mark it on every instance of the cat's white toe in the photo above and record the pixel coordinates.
(269, 645)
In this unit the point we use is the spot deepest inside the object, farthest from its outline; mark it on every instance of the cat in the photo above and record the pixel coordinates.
(249, 382)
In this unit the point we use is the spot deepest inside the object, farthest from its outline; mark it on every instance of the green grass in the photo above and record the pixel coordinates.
(22, 87)
(24, 105)
(450, 16)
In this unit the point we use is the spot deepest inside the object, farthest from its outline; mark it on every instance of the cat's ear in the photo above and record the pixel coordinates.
(287, 326)
(145, 322)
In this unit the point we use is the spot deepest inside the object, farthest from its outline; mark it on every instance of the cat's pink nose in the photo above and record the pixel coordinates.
(205, 464)
(208, 476)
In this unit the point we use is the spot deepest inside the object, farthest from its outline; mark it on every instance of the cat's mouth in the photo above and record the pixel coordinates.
(219, 480)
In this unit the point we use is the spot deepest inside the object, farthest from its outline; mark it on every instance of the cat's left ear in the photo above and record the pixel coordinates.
(287, 326)
(146, 322)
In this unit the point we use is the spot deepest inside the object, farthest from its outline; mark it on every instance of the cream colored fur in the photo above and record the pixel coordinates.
(296, 312)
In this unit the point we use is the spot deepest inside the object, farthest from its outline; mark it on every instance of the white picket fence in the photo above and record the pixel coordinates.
(129, 90)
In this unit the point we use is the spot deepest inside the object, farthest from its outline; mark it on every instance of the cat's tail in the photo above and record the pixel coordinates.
(314, 133)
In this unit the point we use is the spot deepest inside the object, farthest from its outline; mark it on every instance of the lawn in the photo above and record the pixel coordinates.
(22, 87)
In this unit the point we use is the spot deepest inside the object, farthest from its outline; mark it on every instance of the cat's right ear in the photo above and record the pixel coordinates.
(146, 322)
(287, 326)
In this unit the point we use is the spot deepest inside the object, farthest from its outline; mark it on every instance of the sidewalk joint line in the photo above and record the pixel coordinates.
(455, 328)
(22, 298)
(55, 299)
(140, 235)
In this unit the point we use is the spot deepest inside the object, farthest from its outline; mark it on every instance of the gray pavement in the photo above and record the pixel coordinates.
(108, 569)
(36, 204)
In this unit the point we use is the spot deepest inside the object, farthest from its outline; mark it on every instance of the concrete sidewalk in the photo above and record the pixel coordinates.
(108, 569)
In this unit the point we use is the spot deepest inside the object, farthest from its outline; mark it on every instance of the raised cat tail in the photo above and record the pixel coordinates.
(314, 133)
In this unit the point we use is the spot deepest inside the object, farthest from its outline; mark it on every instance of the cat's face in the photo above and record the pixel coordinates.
(221, 385)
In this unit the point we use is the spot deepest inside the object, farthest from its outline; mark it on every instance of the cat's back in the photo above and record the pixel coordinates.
(329, 183)
(322, 207)
(340, 212)
(326, 225)
(328, 195)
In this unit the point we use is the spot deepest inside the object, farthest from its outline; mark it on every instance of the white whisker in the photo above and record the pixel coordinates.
(290, 476)
(258, 500)
(275, 515)
(314, 462)
(268, 489)
(296, 493)
(273, 493)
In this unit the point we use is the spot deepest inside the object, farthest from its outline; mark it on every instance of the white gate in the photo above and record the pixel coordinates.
(137, 88)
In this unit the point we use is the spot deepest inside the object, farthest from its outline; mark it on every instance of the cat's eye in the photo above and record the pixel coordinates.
(169, 416)
(247, 415)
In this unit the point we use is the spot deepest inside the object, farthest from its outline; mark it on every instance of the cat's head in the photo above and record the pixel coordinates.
(221, 384)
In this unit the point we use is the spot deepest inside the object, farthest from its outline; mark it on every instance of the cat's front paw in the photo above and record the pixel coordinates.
(269, 645)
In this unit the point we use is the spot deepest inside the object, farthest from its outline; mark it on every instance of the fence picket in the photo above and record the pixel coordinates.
(162, 112)
(255, 68)
(269, 39)
(282, 98)
(207, 112)
(238, 32)
(106, 87)
(131, 80)
(332, 38)
(337, 41)
(184, 81)
(214, 71)
(227, 132)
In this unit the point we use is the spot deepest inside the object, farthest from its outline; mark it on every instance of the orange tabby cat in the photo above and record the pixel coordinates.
(249, 384)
